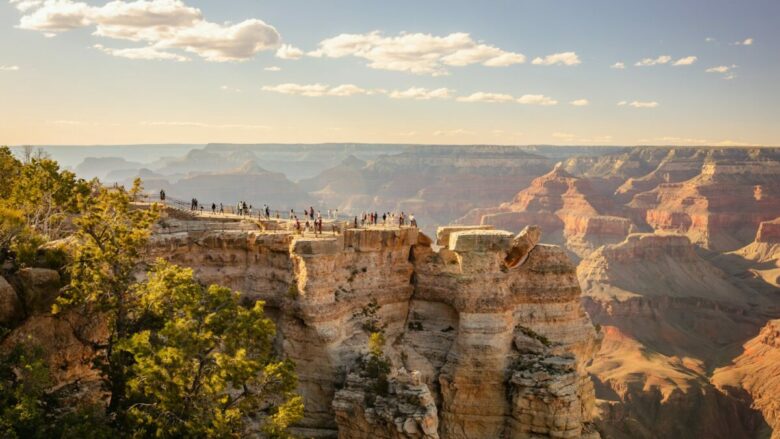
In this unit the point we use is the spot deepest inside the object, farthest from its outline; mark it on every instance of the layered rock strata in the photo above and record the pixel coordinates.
(484, 338)
(669, 318)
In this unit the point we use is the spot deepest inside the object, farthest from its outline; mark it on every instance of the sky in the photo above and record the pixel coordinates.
(579, 72)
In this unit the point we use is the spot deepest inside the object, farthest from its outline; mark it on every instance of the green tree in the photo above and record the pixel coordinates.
(206, 364)
(9, 171)
(46, 195)
(24, 378)
(110, 238)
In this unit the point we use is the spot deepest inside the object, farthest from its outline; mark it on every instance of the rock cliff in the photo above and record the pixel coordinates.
(572, 211)
(483, 338)
(669, 317)
(755, 375)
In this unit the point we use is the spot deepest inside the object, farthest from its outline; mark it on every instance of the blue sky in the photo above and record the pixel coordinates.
(399, 72)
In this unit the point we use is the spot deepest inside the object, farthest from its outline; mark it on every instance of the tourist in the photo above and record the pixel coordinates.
(412, 220)
(221, 209)
(162, 195)
(213, 208)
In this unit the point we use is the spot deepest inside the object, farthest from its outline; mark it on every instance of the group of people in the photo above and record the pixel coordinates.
(372, 218)
(313, 220)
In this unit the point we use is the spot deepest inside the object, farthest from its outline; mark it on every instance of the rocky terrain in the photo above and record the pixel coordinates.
(689, 276)
(484, 337)
(676, 252)
(755, 375)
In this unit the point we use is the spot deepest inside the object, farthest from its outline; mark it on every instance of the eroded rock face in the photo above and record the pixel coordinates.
(573, 211)
(450, 318)
(406, 410)
(757, 372)
(669, 318)
(40, 287)
(10, 307)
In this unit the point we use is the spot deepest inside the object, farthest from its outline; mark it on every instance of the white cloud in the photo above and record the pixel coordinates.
(163, 25)
(718, 69)
(144, 53)
(745, 42)
(272, 69)
(580, 102)
(487, 97)
(316, 90)
(688, 60)
(618, 65)
(726, 71)
(288, 51)
(564, 59)
(709, 40)
(346, 90)
(416, 53)
(421, 93)
(9, 68)
(25, 5)
(536, 100)
(229, 88)
(663, 59)
(503, 97)
(639, 104)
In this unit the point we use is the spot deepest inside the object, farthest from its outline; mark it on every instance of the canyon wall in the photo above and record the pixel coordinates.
(475, 348)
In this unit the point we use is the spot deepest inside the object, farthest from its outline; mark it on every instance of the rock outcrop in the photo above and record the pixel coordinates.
(719, 209)
(484, 337)
(669, 318)
(572, 211)
(754, 376)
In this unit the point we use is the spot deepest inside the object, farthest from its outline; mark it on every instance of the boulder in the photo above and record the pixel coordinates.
(443, 233)
(10, 308)
(524, 242)
(480, 241)
(40, 287)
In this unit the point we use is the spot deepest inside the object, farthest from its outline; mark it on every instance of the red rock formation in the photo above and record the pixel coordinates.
(755, 375)
(569, 209)
(670, 317)
(721, 208)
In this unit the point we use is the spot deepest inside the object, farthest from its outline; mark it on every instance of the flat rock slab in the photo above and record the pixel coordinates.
(480, 241)
(443, 233)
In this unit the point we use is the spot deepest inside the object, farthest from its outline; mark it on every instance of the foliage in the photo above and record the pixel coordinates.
(12, 226)
(46, 196)
(177, 360)
(23, 380)
(36, 201)
(376, 364)
(9, 171)
(371, 320)
(206, 364)
(110, 238)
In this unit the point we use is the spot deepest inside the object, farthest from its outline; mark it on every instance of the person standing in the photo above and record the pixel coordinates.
(213, 208)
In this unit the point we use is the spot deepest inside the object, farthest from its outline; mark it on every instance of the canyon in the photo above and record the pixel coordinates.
(484, 332)
(677, 257)
(672, 253)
